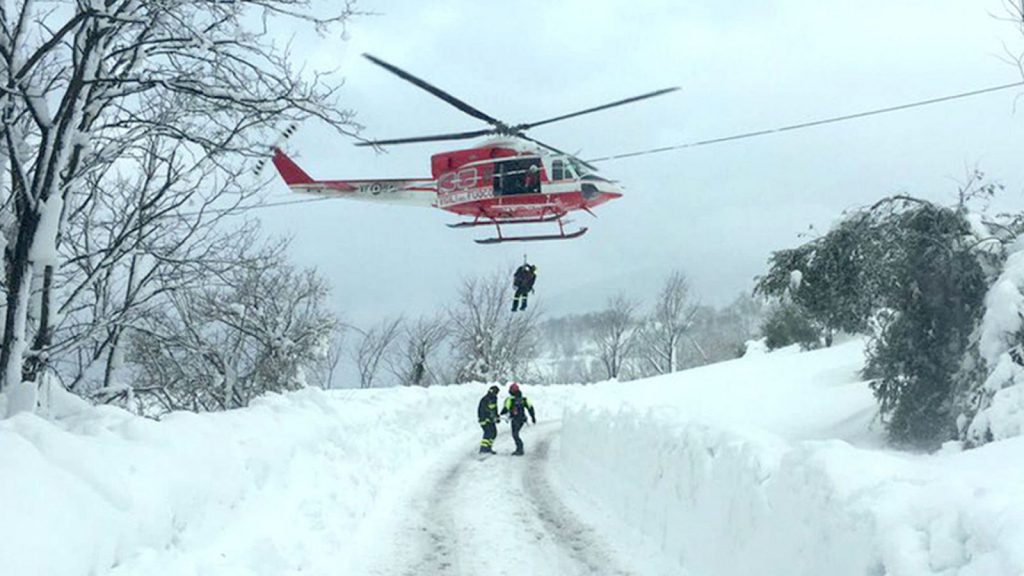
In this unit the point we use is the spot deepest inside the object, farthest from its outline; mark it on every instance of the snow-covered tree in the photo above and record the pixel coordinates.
(615, 333)
(489, 342)
(933, 301)
(991, 400)
(664, 329)
(990, 395)
(133, 243)
(829, 278)
(323, 372)
(787, 323)
(250, 329)
(85, 82)
(413, 359)
(914, 277)
(373, 347)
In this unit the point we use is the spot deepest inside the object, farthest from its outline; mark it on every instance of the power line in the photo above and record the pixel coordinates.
(810, 124)
(238, 209)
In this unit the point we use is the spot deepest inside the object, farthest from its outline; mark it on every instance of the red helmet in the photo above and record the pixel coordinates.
(513, 388)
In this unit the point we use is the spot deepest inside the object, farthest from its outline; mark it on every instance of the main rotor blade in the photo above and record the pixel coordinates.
(598, 108)
(433, 138)
(435, 91)
(557, 151)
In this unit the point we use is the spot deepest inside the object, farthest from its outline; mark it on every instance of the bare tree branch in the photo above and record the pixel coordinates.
(373, 347)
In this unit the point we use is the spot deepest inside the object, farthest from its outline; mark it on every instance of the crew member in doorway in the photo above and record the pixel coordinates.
(517, 407)
(487, 413)
(531, 185)
(523, 281)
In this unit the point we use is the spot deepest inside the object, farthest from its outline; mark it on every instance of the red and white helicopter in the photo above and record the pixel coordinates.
(510, 179)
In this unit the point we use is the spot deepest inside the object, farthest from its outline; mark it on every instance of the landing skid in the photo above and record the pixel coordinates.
(561, 236)
(478, 222)
(484, 220)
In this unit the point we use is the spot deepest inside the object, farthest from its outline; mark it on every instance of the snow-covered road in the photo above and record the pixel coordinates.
(495, 515)
(764, 465)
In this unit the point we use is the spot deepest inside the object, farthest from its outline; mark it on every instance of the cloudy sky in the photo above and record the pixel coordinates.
(714, 212)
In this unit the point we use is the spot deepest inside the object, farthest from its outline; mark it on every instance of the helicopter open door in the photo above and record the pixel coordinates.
(517, 176)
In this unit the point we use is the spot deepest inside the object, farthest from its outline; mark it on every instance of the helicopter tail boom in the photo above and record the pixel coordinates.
(402, 191)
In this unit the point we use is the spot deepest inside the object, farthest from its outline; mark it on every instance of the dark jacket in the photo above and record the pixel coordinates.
(524, 277)
(517, 406)
(487, 410)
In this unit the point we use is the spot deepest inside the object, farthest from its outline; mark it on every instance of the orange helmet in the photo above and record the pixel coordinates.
(513, 388)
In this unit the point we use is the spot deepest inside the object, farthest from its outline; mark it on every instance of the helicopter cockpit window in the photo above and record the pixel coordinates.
(558, 170)
(517, 177)
(569, 173)
(580, 169)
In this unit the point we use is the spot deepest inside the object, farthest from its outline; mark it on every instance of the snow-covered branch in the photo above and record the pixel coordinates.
(181, 93)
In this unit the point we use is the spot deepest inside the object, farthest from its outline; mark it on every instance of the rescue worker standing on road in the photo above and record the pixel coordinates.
(517, 406)
(487, 414)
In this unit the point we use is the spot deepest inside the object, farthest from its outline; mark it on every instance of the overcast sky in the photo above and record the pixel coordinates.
(714, 212)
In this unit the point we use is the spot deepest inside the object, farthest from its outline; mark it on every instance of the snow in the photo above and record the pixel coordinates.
(755, 347)
(983, 238)
(21, 397)
(4, 215)
(769, 464)
(739, 503)
(44, 247)
(56, 402)
(1003, 306)
(1002, 409)
(1004, 416)
(41, 109)
(127, 495)
(796, 278)
(13, 374)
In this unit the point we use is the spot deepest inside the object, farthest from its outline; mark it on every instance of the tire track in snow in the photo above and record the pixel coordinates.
(499, 515)
(579, 540)
(440, 550)
(411, 535)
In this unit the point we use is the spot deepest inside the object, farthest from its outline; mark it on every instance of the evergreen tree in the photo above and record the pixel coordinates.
(829, 278)
(934, 296)
(908, 272)
(788, 324)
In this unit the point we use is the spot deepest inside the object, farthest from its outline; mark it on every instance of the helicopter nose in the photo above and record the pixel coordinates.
(599, 192)
(612, 190)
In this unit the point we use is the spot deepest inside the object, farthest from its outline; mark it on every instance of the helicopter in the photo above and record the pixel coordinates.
(510, 179)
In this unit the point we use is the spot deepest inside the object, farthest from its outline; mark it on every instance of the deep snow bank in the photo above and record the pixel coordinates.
(727, 504)
(280, 487)
(764, 466)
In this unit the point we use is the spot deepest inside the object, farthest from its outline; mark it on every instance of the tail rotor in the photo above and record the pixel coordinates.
(287, 133)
